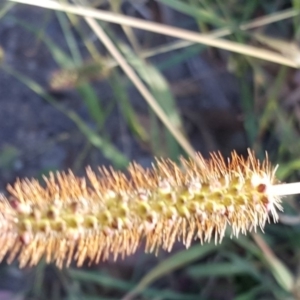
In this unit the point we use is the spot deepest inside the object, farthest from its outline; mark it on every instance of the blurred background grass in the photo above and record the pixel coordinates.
(78, 89)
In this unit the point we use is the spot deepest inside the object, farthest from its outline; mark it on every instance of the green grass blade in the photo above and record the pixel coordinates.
(69, 36)
(196, 12)
(252, 294)
(92, 102)
(104, 279)
(64, 61)
(58, 54)
(128, 112)
(173, 263)
(5, 8)
(161, 92)
(236, 266)
(108, 150)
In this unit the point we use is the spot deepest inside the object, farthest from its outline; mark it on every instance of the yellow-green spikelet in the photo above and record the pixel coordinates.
(71, 218)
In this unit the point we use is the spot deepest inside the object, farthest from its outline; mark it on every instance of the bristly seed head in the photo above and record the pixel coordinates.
(71, 218)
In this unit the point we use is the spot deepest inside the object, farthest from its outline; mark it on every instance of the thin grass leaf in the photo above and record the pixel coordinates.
(61, 57)
(286, 132)
(39, 275)
(8, 155)
(126, 107)
(272, 105)
(108, 150)
(226, 269)
(122, 285)
(70, 39)
(267, 283)
(236, 266)
(85, 90)
(129, 32)
(161, 92)
(92, 101)
(6, 7)
(281, 273)
(252, 294)
(141, 87)
(176, 32)
(196, 12)
(173, 263)
(247, 244)
(288, 168)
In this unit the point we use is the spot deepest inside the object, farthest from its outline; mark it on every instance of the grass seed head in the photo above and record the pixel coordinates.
(72, 218)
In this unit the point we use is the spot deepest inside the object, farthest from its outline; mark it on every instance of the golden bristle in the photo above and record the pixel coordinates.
(72, 218)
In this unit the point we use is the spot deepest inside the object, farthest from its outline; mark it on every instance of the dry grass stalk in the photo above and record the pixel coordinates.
(90, 220)
(166, 30)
